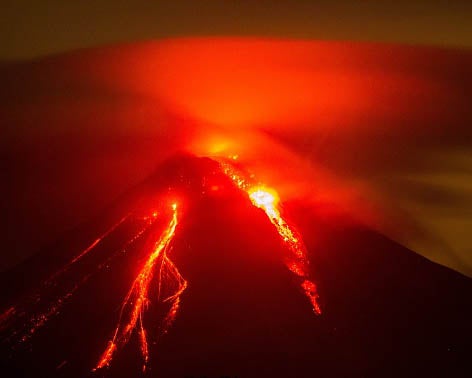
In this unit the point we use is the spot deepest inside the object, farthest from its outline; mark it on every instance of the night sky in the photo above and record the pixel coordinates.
(34, 28)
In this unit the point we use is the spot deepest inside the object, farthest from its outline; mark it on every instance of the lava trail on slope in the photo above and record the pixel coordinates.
(197, 272)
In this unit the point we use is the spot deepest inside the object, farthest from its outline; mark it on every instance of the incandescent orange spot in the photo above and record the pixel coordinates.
(264, 197)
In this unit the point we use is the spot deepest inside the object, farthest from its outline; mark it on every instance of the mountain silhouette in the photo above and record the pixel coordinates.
(386, 311)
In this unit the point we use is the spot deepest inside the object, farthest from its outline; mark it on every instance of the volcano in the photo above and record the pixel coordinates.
(189, 276)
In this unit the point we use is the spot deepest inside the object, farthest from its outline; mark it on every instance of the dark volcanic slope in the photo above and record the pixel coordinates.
(386, 310)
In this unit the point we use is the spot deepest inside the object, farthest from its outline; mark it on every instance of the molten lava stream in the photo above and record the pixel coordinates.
(86, 251)
(267, 199)
(38, 311)
(137, 299)
(40, 319)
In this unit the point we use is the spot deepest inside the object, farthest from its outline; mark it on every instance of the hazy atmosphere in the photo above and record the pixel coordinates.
(35, 28)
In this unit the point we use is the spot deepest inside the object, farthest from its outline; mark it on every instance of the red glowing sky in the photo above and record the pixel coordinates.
(379, 129)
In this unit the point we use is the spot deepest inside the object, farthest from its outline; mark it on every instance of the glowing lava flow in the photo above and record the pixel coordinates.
(137, 300)
(34, 312)
(86, 251)
(267, 199)
(52, 307)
